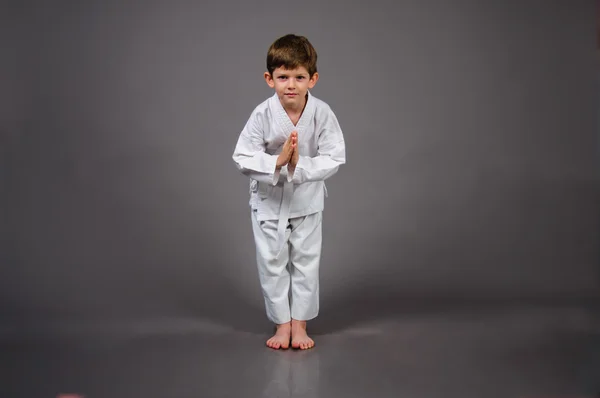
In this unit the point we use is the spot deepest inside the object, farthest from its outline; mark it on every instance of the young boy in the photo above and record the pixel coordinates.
(290, 145)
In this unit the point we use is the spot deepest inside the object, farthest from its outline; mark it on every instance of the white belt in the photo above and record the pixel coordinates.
(284, 214)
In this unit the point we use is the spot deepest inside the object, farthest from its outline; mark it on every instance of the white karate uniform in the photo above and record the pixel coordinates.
(286, 207)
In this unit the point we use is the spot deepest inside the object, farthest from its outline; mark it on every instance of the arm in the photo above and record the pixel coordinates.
(250, 157)
(331, 155)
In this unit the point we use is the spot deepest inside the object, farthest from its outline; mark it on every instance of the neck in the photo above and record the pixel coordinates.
(299, 109)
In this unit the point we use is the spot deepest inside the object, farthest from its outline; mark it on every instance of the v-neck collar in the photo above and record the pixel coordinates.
(284, 120)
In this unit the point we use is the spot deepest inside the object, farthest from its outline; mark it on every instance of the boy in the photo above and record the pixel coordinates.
(291, 143)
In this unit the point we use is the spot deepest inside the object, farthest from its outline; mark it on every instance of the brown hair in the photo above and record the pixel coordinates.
(291, 52)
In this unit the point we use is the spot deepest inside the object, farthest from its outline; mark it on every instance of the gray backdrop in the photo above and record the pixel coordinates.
(471, 147)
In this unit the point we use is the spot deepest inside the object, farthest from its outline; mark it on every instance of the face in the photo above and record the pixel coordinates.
(291, 86)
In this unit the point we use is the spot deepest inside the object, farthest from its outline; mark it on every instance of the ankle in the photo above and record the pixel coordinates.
(297, 323)
(283, 325)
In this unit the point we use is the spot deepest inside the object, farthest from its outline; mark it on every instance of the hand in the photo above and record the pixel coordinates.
(294, 159)
(288, 150)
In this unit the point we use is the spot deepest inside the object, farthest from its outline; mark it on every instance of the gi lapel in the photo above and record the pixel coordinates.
(284, 121)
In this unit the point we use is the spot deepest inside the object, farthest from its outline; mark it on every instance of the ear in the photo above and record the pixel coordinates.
(313, 80)
(269, 80)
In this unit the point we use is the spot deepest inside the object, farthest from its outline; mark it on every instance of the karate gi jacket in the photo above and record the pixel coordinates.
(279, 195)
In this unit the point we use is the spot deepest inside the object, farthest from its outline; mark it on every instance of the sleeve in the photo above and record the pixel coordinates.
(331, 154)
(250, 157)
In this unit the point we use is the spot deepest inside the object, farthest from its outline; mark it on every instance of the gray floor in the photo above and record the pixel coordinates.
(520, 351)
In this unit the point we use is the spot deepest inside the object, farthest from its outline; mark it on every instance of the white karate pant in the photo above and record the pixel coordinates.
(289, 280)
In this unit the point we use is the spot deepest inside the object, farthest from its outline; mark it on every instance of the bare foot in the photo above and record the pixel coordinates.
(299, 337)
(281, 339)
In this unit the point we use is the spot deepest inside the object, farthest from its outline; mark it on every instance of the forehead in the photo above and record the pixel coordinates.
(301, 70)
